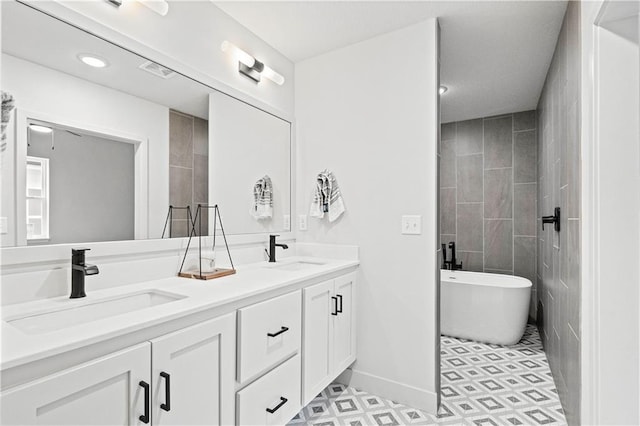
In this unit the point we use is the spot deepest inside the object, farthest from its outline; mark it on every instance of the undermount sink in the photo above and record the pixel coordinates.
(298, 265)
(57, 318)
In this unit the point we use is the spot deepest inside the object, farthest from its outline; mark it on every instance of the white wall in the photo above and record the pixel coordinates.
(368, 112)
(93, 106)
(611, 206)
(187, 40)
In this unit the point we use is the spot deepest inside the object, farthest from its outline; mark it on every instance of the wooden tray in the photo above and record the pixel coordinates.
(216, 273)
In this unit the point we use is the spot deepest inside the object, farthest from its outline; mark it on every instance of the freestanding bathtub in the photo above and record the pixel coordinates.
(489, 308)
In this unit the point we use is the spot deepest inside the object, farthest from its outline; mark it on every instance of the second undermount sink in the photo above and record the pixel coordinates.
(59, 318)
(297, 265)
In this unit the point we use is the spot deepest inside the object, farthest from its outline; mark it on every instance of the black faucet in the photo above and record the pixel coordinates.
(450, 264)
(272, 247)
(78, 270)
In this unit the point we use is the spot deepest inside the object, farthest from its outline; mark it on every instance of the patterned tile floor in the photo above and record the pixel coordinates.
(482, 384)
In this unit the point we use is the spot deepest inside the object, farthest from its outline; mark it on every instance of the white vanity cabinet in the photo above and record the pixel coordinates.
(329, 344)
(108, 390)
(128, 387)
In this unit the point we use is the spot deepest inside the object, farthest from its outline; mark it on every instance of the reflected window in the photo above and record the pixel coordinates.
(37, 198)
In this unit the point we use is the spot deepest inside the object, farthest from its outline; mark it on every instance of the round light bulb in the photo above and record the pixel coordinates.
(92, 60)
(442, 90)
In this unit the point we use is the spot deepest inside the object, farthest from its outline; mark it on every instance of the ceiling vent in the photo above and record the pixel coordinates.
(158, 70)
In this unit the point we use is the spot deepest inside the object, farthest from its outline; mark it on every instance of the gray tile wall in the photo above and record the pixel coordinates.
(188, 168)
(488, 194)
(559, 186)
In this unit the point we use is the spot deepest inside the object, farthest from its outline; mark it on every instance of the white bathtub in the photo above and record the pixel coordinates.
(484, 307)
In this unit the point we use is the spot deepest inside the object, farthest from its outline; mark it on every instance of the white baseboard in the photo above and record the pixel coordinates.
(392, 390)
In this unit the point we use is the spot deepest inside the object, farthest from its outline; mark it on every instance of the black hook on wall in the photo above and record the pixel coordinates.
(555, 219)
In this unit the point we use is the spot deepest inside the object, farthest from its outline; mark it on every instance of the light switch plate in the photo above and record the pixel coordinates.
(412, 224)
(302, 222)
(287, 222)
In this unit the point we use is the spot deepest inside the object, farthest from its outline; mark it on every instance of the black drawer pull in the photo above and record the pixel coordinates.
(145, 417)
(283, 401)
(167, 391)
(282, 330)
(335, 306)
(339, 310)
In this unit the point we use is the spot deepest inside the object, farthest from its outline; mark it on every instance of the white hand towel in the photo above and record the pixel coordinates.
(327, 197)
(262, 199)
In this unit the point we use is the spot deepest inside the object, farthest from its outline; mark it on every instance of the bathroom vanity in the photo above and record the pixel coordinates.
(252, 348)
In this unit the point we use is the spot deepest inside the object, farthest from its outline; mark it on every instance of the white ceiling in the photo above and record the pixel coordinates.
(36, 37)
(494, 55)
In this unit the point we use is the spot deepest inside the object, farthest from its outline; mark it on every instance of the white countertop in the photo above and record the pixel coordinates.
(250, 280)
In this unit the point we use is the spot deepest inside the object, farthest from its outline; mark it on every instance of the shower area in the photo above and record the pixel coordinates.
(502, 178)
(488, 195)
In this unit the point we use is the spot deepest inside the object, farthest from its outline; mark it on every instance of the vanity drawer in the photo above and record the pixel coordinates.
(273, 399)
(269, 332)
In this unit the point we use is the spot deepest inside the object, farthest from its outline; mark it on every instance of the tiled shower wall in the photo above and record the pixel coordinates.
(188, 168)
(559, 186)
(488, 188)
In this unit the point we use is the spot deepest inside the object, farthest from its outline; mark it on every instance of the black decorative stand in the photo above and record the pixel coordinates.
(169, 221)
(217, 272)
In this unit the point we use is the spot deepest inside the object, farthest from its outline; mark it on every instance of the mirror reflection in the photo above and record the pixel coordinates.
(185, 143)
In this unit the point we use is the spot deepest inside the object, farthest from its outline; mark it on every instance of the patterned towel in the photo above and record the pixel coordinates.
(7, 105)
(262, 199)
(327, 197)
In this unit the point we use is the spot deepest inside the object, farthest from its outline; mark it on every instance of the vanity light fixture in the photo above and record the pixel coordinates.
(40, 129)
(161, 7)
(250, 66)
(93, 60)
(442, 90)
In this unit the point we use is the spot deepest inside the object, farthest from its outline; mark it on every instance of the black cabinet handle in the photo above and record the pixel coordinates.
(339, 310)
(167, 391)
(555, 219)
(283, 401)
(335, 306)
(282, 330)
(145, 417)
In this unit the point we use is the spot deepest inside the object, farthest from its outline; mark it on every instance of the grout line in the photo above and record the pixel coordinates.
(499, 168)
(483, 221)
(455, 172)
(181, 167)
(513, 195)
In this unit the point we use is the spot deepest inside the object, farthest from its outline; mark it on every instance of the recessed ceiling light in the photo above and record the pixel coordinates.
(93, 60)
(40, 129)
(442, 89)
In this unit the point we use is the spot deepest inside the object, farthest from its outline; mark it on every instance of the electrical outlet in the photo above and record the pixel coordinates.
(302, 222)
(287, 222)
(412, 224)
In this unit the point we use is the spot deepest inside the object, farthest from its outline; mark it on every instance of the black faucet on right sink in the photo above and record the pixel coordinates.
(452, 265)
(272, 247)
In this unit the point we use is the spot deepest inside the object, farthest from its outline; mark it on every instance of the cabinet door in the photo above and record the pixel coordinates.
(196, 366)
(316, 360)
(105, 391)
(344, 331)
